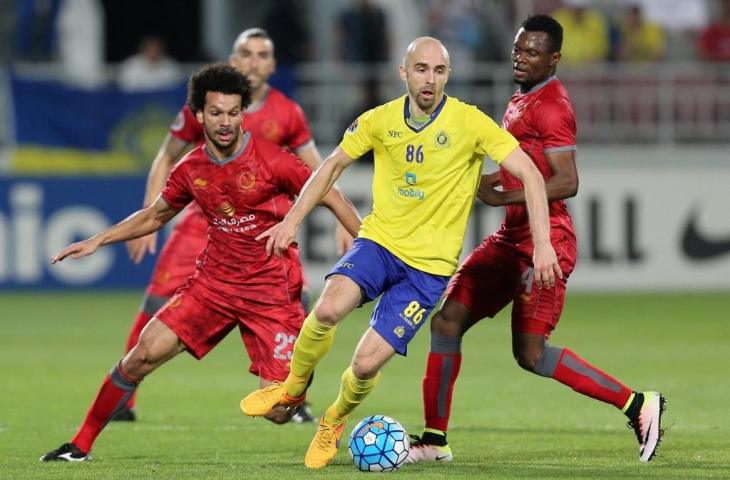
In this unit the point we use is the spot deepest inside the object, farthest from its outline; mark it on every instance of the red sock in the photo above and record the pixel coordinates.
(584, 378)
(140, 322)
(113, 394)
(438, 388)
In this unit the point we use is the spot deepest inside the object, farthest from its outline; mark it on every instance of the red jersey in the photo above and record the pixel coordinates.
(543, 121)
(241, 197)
(715, 42)
(278, 119)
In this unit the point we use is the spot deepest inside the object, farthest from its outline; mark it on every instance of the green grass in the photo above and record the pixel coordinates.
(55, 349)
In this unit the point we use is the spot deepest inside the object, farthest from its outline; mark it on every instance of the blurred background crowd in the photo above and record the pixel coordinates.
(638, 70)
(92, 86)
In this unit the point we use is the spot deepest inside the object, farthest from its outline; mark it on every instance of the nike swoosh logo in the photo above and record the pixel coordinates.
(69, 457)
(441, 457)
(697, 246)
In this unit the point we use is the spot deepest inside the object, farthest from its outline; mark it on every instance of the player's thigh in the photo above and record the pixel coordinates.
(269, 333)
(537, 310)
(339, 297)
(487, 280)
(199, 323)
(453, 319)
(178, 258)
(405, 306)
(360, 276)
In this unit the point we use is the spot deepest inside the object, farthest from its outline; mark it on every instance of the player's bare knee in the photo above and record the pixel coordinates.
(138, 362)
(364, 369)
(327, 313)
(446, 325)
(527, 358)
(133, 365)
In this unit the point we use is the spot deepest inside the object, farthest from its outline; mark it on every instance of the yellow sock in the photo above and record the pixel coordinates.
(352, 392)
(313, 343)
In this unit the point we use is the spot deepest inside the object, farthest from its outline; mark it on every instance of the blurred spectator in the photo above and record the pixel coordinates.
(35, 29)
(150, 68)
(284, 22)
(81, 42)
(496, 36)
(456, 23)
(639, 39)
(585, 32)
(362, 30)
(714, 41)
(363, 37)
(675, 15)
(681, 20)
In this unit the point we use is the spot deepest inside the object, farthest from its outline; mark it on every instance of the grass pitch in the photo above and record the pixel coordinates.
(56, 348)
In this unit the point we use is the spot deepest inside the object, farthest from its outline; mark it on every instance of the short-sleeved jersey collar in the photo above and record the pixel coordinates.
(231, 157)
(540, 85)
(434, 114)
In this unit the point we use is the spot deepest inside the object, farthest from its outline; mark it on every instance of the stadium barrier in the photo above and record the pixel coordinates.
(639, 228)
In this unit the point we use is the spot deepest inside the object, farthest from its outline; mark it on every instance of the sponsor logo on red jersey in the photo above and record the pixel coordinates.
(227, 209)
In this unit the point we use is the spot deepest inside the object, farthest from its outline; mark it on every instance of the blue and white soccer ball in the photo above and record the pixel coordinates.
(378, 444)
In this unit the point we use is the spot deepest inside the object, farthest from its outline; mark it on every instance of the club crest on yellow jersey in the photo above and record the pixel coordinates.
(442, 140)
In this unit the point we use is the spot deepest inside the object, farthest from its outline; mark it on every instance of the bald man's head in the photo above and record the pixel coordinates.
(426, 45)
(425, 71)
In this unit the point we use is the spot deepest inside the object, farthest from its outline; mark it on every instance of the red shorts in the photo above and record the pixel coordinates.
(497, 273)
(268, 331)
(178, 257)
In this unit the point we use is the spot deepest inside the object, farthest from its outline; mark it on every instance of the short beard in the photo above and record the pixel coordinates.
(422, 106)
(220, 147)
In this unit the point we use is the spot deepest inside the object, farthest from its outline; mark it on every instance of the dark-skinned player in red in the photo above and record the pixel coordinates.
(499, 271)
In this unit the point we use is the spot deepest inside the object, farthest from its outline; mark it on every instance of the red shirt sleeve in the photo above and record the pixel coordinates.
(290, 172)
(186, 127)
(176, 192)
(300, 134)
(556, 124)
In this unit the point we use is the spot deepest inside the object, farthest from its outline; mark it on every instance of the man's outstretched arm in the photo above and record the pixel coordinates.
(141, 222)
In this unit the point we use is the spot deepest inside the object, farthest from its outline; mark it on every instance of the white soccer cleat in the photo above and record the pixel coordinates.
(424, 452)
(648, 425)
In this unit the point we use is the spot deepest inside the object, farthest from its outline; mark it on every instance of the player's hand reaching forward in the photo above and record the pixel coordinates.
(545, 263)
(488, 192)
(138, 247)
(78, 249)
(280, 236)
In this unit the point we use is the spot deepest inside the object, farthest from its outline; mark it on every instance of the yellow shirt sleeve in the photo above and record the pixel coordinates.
(358, 139)
(491, 139)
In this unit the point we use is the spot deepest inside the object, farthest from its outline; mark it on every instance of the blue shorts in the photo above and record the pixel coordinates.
(409, 294)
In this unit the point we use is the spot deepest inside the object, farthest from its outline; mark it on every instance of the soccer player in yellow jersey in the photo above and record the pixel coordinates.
(429, 150)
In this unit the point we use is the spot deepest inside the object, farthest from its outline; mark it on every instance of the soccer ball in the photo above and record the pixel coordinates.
(378, 444)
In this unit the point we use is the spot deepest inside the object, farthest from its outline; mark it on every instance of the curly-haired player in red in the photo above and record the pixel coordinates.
(243, 186)
(271, 116)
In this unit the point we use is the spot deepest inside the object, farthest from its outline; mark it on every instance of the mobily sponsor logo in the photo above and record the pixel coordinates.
(412, 193)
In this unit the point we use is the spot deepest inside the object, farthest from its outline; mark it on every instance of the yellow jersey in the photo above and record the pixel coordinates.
(425, 178)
